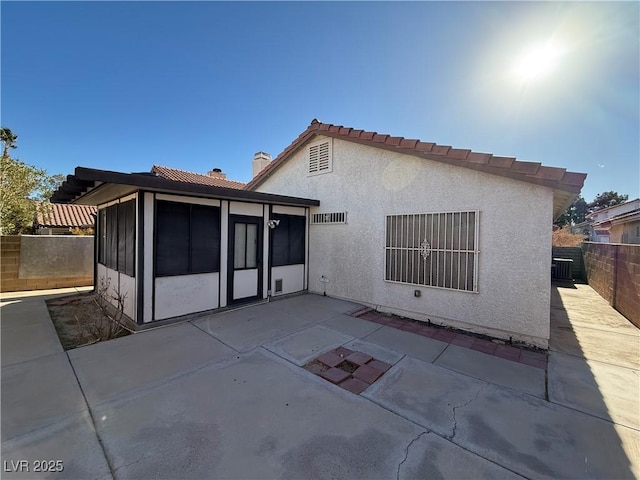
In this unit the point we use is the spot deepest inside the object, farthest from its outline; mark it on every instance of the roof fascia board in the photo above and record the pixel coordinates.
(158, 184)
(480, 167)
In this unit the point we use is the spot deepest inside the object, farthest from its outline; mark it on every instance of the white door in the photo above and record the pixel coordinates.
(245, 258)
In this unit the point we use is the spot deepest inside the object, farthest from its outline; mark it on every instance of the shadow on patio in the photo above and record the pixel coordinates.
(594, 360)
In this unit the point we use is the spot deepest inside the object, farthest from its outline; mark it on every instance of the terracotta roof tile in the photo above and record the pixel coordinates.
(573, 178)
(424, 147)
(550, 173)
(65, 215)
(380, 138)
(533, 172)
(502, 162)
(475, 157)
(198, 178)
(526, 168)
(367, 135)
(459, 153)
(408, 143)
(440, 149)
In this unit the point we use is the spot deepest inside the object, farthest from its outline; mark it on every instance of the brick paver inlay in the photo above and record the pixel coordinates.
(353, 371)
(495, 347)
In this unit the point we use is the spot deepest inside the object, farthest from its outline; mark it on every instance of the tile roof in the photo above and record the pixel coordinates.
(89, 186)
(533, 172)
(65, 215)
(190, 177)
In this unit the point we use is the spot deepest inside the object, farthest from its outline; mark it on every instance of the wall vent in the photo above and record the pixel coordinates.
(320, 158)
(279, 285)
(329, 218)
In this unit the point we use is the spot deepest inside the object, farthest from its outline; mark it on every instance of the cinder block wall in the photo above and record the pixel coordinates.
(613, 270)
(11, 252)
(599, 264)
(627, 294)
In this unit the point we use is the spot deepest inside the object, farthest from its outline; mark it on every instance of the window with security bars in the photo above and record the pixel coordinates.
(320, 160)
(433, 249)
(329, 218)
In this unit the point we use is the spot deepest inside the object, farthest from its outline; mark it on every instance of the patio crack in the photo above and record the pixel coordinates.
(129, 464)
(468, 402)
(406, 452)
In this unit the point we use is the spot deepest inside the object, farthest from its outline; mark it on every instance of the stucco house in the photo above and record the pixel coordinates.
(177, 243)
(427, 231)
(419, 229)
(617, 224)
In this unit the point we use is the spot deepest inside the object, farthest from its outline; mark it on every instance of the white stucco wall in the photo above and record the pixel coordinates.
(184, 294)
(370, 183)
(119, 284)
(292, 277)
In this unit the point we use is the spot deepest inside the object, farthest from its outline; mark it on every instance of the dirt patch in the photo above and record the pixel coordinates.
(348, 367)
(76, 318)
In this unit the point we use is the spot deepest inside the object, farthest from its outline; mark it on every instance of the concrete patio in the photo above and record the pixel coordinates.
(225, 396)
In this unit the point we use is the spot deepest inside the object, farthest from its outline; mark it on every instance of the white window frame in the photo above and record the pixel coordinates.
(316, 165)
(409, 246)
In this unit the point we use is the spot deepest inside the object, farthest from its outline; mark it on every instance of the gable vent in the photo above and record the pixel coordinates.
(320, 160)
(329, 218)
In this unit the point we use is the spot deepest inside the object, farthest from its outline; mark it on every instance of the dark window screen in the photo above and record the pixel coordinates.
(101, 232)
(126, 237)
(288, 239)
(172, 238)
(205, 239)
(117, 237)
(187, 238)
(111, 252)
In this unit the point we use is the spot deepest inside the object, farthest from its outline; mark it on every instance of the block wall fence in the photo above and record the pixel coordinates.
(613, 270)
(37, 262)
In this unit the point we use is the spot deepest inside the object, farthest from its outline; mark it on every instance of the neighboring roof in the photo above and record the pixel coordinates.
(557, 178)
(190, 177)
(65, 215)
(89, 186)
(627, 206)
(626, 217)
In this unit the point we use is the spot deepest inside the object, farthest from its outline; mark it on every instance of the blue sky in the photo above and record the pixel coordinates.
(197, 85)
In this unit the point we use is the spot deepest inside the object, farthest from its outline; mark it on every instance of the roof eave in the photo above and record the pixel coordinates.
(559, 179)
(92, 178)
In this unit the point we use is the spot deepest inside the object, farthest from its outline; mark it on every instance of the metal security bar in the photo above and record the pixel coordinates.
(328, 218)
(433, 249)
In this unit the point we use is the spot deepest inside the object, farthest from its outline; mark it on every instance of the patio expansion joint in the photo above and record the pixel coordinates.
(54, 425)
(213, 336)
(93, 420)
(592, 360)
(442, 352)
(136, 393)
(406, 452)
(467, 403)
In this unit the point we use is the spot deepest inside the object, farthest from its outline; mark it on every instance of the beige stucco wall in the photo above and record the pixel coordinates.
(369, 183)
(626, 232)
